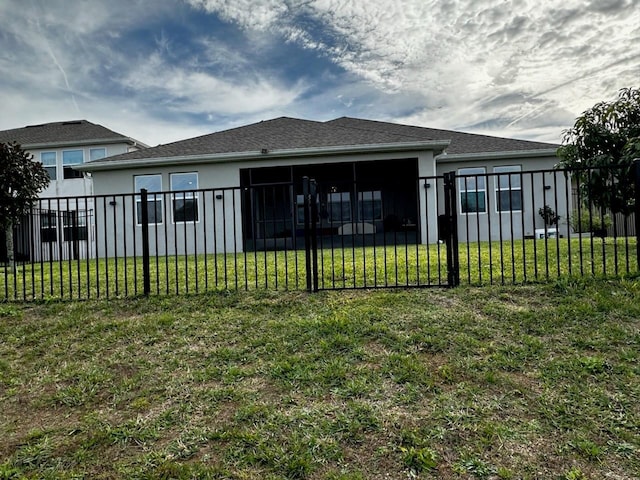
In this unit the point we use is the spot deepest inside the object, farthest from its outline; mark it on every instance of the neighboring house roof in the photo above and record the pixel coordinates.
(291, 136)
(75, 132)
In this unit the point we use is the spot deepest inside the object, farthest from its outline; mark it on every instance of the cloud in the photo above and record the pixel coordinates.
(167, 68)
(458, 54)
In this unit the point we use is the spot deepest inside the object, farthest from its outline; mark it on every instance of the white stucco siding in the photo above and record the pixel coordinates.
(428, 198)
(538, 189)
(223, 215)
(61, 187)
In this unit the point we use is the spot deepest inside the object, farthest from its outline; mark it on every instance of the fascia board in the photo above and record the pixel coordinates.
(547, 152)
(98, 165)
(82, 143)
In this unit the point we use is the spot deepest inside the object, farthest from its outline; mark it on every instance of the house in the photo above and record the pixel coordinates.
(66, 208)
(373, 179)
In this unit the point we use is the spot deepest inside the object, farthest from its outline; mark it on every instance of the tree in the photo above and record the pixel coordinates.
(21, 180)
(599, 151)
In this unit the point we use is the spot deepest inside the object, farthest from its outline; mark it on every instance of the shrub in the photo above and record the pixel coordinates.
(590, 220)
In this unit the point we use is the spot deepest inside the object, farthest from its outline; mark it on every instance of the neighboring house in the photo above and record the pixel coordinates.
(373, 178)
(66, 207)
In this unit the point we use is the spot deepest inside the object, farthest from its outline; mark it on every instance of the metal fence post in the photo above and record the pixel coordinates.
(450, 206)
(144, 219)
(307, 236)
(313, 189)
(636, 164)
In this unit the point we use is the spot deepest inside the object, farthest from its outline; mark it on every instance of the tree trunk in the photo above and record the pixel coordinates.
(8, 232)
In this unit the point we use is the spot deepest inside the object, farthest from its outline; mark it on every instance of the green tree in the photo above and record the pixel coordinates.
(21, 180)
(606, 135)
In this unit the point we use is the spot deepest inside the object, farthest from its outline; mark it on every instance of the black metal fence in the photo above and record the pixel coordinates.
(471, 226)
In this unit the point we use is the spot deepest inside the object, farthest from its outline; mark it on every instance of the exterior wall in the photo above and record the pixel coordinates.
(50, 200)
(536, 191)
(219, 176)
(428, 198)
(74, 186)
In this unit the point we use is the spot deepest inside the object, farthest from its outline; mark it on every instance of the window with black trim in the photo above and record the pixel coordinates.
(473, 190)
(370, 206)
(48, 226)
(184, 197)
(508, 188)
(74, 225)
(339, 207)
(153, 185)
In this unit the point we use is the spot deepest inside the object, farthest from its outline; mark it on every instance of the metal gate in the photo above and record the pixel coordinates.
(357, 256)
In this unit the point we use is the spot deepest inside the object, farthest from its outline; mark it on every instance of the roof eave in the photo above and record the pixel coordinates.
(542, 152)
(77, 143)
(98, 165)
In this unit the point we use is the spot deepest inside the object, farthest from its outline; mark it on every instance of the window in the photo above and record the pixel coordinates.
(508, 188)
(97, 153)
(185, 203)
(69, 158)
(74, 225)
(72, 157)
(472, 186)
(370, 206)
(48, 226)
(339, 207)
(153, 185)
(50, 163)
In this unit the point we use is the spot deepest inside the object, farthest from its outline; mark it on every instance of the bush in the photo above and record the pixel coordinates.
(549, 216)
(590, 220)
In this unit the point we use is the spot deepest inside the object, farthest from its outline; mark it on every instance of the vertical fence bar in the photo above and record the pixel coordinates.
(313, 188)
(453, 260)
(636, 163)
(307, 231)
(146, 279)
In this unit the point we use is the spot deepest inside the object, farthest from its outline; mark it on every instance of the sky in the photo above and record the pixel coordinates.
(166, 70)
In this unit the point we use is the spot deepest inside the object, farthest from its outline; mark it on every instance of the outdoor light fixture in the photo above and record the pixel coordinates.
(547, 187)
(264, 151)
(218, 196)
(113, 203)
(427, 185)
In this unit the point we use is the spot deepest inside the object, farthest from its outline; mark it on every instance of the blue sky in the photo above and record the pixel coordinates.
(164, 70)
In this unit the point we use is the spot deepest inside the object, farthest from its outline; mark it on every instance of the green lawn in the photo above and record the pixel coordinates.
(481, 263)
(522, 382)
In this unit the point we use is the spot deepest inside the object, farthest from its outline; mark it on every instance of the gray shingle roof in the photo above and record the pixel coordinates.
(461, 142)
(286, 133)
(277, 134)
(61, 132)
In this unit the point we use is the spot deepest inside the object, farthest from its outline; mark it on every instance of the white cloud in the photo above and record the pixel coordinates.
(199, 92)
(522, 69)
(459, 54)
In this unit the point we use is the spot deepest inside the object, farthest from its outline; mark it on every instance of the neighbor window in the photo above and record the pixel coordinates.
(48, 226)
(74, 225)
(50, 163)
(153, 185)
(184, 197)
(508, 188)
(472, 186)
(339, 207)
(97, 153)
(370, 206)
(69, 158)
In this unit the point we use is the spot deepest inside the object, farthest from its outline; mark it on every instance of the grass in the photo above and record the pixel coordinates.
(481, 263)
(527, 382)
